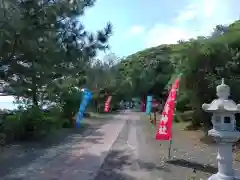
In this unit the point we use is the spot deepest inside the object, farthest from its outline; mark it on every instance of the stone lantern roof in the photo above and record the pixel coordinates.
(222, 104)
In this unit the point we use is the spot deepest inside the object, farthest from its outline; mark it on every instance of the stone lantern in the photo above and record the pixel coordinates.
(224, 130)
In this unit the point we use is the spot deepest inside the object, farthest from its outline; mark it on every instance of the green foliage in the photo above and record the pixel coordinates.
(44, 52)
(70, 101)
(146, 72)
(183, 102)
(102, 80)
(12, 127)
(42, 44)
(32, 123)
(202, 61)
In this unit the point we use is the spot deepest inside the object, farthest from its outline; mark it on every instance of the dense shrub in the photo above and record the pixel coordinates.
(183, 102)
(32, 123)
(70, 101)
(115, 106)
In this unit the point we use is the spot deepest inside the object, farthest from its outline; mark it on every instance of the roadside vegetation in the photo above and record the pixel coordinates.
(47, 55)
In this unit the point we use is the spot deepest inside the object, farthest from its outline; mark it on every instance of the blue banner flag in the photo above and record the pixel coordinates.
(149, 104)
(87, 96)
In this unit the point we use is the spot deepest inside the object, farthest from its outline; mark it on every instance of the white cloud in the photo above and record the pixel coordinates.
(136, 30)
(196, 19)
(164, 34)
(187, 14)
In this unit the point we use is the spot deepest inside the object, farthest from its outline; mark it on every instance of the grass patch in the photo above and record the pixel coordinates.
(237, 156)
(178, 128)
(184, 116)
(180, 125)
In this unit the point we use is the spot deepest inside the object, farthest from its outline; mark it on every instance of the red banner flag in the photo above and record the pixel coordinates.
(164, 131)
(107, 104)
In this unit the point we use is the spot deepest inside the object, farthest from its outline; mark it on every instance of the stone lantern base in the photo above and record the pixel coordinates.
(224, 139)
(222, 177)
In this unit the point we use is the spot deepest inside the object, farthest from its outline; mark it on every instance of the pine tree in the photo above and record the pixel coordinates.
(44, 43)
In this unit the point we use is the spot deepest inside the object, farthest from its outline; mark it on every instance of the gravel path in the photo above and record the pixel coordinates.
(122, 149)
(130, 157)
(78, 155)
(20, 154)
(136, 155)
(83, 156)
(189, 156)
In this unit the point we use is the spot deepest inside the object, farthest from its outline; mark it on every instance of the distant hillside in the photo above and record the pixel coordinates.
(202, 61)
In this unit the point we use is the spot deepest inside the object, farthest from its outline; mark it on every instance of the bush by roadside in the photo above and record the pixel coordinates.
(32, 123)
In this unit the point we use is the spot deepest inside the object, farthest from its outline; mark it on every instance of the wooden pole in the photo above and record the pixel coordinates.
(170, 142)
(169, 149)
(155, 119)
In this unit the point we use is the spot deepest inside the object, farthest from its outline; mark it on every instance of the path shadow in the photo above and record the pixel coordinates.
(118, 163)
(152, 166)
(23, 153)
(113, 167)
(73, 166)
(194, 165)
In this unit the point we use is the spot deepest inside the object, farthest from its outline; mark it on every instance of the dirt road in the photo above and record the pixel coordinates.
(122, 148)
(131, 157)
(110, 151)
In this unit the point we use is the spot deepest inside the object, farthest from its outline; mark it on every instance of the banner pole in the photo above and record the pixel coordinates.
(169, 149)
(170, 141)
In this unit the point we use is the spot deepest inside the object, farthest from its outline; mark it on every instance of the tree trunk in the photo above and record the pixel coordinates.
(34, 93)
(96, 105)
(35, 100)
(34, 88)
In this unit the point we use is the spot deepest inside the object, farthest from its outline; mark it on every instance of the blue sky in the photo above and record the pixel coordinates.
(139, 24)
